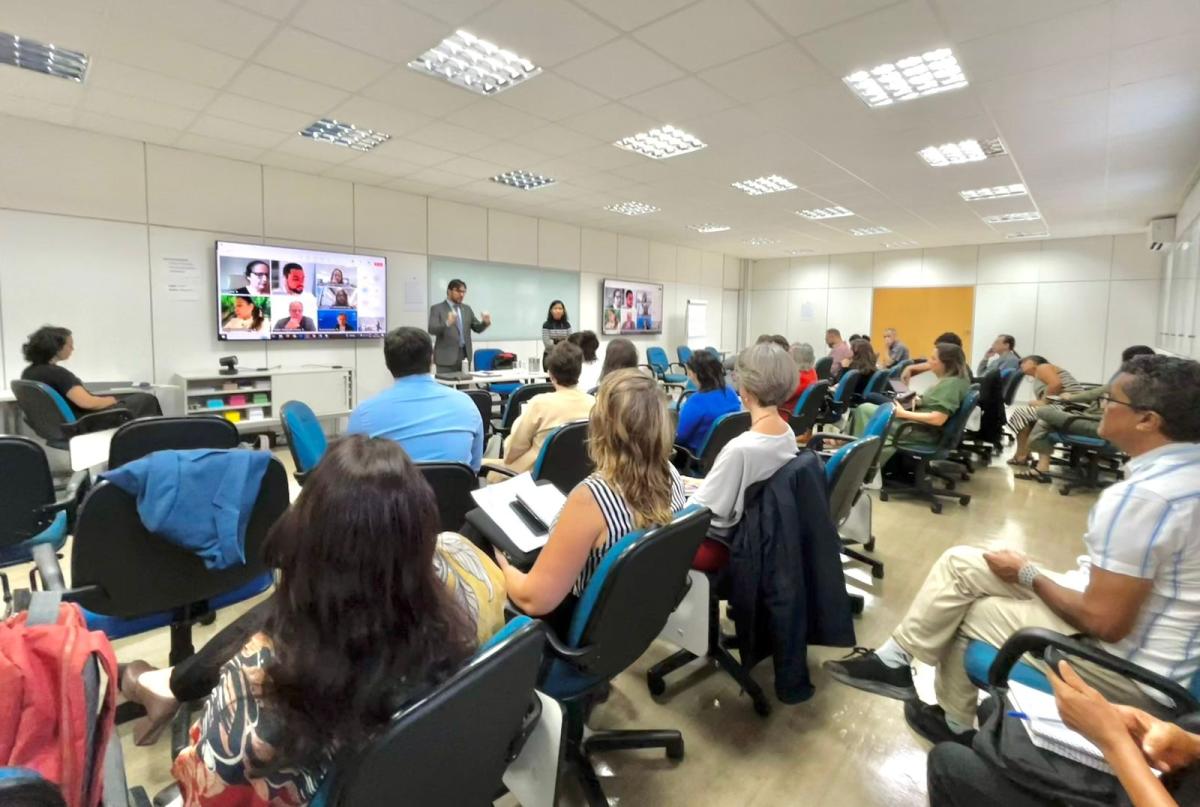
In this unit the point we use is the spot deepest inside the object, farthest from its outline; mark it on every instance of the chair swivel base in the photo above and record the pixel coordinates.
(875, 564)
(921, 488)
(579, 749)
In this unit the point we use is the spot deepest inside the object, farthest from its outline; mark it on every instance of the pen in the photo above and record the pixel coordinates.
(1023, 716)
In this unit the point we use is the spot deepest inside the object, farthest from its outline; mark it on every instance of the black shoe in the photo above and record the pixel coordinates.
(929, 721)
(864, 670)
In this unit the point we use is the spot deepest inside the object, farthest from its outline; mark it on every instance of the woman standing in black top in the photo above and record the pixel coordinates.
(49, 345)
(555, 329)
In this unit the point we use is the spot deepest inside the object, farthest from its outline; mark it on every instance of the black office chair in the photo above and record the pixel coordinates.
(808, 408)
(452, 483)
(452, 746)
(137, 438)
(512, 409)
(988, 439)
(53, 420)
(483, 400)
(1012, 383)
(563, 458)
(624, 607)
(724, 429)
(824, 368)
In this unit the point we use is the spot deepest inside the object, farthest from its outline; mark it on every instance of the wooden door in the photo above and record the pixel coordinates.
(920, 315)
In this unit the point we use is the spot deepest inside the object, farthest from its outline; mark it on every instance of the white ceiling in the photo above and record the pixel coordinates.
(1097, 102)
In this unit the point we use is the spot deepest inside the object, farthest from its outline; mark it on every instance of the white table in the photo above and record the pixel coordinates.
(169, 399)
(90, 450)
(495, 377)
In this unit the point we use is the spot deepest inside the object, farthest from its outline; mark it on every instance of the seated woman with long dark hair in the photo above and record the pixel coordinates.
(372, 609)
(712, 399)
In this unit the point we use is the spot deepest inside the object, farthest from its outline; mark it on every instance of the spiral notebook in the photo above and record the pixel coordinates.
(1048, 732)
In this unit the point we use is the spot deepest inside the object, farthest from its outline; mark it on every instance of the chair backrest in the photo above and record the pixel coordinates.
(724, 429)
(452, 746)
(808, 408)
(27, 486)
(878, 426)
(896, 369)
(952, 430)
(824, 367)
(656, 357)
(306, 439)
(512, 409)
(634, 589)
(143, 436)
(847, 383)
(684, 353)
(846, 472)
(44, 409)
(127, 571)
(877, 382)
(483, 400)
(563, 458)
(485, 358)
(1012, 383)
(452, 483)
(713, 351)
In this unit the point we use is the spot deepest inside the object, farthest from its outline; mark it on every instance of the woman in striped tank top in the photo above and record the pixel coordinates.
(634, 487)
(1048, 380)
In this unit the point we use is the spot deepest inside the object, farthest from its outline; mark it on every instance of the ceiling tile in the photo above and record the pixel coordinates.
(515, 155)
(112, 75)
(37, 109)
(497, 120)
(1161, 57)
(1156, 104)
(124, 127)
(551, 96)
(316, 151)
(765, 73)
(1083, 33)
(557, 140)
(167, 55)
(218, 147)
(406, 88)
(861, 43)
(710, 32)
(546, 32)
(278, 9)
(812, 15)
(630, 14)
(358, 175)
(44, 88)
(258, 113)
(620, 68)
(471, 167)
(680, 99)
(441, 179)
(366, 113)
(610, 122)
(970, 19)
(380, 161)
(1136, 21)
(286, 90)
(1074, 77)
(78, 26)
(216, 25)
(311, 57)
(450, 137)
(413, 152)
(130, 107)
(453, 12)
(382, 28)
(237, 132)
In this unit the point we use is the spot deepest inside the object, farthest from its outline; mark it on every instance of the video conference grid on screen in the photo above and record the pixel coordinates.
(630, 307)
(266, 292)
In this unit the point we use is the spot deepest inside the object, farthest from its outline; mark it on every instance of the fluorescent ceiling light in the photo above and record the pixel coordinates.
(1018, 236)
(964, 151)
(761, 242)
(29, 54)
(899, 244)
(995, 192)
(631, 208)
(816, 213)
(800, 252)
(523, 180)
(1007, 218)
(771, 184)
(916, 76)
(709, 228)
(661, 143)
(474, 64)
(339, 133)
(861, 231)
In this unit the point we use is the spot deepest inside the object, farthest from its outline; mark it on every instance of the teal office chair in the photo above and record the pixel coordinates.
(723, 429)
(512, 408)
(53, 420)
(808, 408)
(684, 354)
(485, 360)
(626, 603)
(563, 458)
(306, 439)
(839, 401)
(877, 383)
(923, 456)
(661, 365)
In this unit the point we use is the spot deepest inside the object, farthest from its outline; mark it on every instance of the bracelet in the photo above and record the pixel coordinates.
(1027, 575)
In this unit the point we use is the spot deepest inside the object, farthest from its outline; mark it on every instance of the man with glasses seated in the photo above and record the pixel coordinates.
(1142, 597)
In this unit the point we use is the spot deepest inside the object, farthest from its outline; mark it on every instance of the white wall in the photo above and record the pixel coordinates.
(89, 221)
(1077, 301)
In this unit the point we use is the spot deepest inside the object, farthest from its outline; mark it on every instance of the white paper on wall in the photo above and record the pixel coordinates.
(183, 278)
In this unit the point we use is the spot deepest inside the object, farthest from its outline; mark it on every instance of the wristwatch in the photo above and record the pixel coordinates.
(1027, 575)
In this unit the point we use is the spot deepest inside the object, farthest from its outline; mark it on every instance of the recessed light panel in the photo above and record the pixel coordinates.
(771, 184)
(899, 244)
(916, 76)
(761, 242)
(709, 228)
(661, 143)
(523, 180)
(995, 192)
(339, 133)
(861, 231)
(631, 208)
(817, 213)
(474, 64)
(964, 151)
(29, 54)
(1008, 218)
(1021, 236)
(800, 252)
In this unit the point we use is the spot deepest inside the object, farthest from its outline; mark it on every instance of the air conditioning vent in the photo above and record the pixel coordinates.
(1161, 234)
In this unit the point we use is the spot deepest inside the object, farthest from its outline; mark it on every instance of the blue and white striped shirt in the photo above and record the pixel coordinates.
(1148, 526)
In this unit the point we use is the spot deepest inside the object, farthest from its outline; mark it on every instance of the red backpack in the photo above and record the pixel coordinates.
(49, 720)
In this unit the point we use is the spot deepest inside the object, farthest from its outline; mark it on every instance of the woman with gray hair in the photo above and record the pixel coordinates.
(805, 359)
(764, 376)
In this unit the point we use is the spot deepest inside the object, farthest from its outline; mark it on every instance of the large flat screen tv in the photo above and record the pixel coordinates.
(266, 292)
(630, 307)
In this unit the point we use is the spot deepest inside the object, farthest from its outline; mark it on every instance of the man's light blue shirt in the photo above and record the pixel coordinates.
(433, 423)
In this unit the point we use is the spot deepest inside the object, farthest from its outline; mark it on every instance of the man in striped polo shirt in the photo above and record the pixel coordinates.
(1142, 598)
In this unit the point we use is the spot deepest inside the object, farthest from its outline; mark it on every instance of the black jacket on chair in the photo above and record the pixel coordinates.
(785, 574)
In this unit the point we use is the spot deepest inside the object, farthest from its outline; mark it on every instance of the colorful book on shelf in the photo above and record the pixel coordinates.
(233, 417)
(214, 403)
(261, 398)
(254, 413)
(237, 400)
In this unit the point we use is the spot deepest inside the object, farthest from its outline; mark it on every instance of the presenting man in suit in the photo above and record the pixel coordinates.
(451, 323)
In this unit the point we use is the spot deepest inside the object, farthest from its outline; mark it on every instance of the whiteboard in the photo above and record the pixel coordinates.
(697, 319)
(517, 297)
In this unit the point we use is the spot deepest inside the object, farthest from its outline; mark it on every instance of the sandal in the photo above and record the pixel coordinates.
(1019, 463)
(160, 709)
(1032, 475)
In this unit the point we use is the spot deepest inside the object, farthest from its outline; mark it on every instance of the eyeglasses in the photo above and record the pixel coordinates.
(261, 274)
(1107, 400)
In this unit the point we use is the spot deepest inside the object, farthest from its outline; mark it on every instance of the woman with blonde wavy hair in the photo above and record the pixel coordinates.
(633, 487)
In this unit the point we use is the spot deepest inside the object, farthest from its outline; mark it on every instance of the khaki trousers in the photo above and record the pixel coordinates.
(961, 600)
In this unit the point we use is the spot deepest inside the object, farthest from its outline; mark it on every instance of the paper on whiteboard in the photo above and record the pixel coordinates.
(697, 319)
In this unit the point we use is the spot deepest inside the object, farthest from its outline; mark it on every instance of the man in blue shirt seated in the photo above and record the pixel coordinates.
(434, 423)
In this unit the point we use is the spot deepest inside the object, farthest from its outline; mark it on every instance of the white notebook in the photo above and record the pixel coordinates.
(544, 500)
(1048, 732)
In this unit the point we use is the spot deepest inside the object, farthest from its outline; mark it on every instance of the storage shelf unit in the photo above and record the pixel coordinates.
(329, 391)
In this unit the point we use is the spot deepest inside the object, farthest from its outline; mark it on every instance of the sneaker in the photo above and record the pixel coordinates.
(864, 670)
(929, 721)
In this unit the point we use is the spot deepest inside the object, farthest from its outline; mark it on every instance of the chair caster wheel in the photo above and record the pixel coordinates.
(883, 497)
(964, 500)
(877, 572)
(1064, 491)
(966, 477)
(949, 484)
(655, 684)
(936, 507)
(761, 707)
(870, 545)
(675, 750)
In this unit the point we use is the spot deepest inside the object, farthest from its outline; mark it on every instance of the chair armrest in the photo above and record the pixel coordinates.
(817, 443)
(45, 559)
(689, 458)
(1035, 640)
(97, 422)
(1071, 420)
(649, 367)
(682, 367)
(573, 655)
(905, 427)
(484, 470)
(300, 476)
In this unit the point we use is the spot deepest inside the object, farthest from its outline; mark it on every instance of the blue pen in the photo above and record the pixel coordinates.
(1023, 716)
